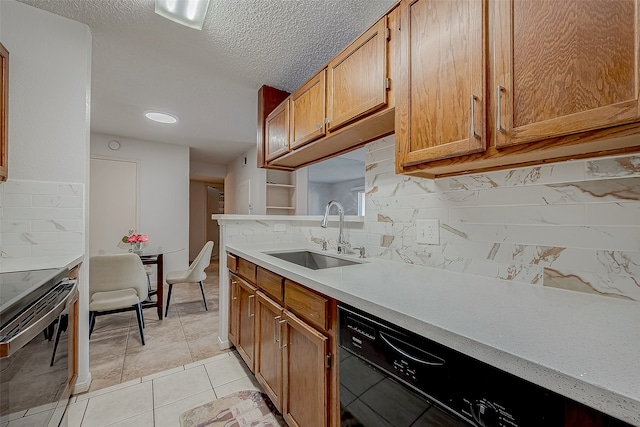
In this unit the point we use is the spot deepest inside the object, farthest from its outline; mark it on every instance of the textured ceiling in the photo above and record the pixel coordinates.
(208, 78)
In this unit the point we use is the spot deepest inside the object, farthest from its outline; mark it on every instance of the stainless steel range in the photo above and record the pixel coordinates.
(37, 319)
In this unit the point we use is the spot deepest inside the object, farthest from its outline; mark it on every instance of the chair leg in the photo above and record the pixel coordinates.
(140, 321)
(48, 331)
(203, 298)
(92, 322)
(166, 312)
(63, 321)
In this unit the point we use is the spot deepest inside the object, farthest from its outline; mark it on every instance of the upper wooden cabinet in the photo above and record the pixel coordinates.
(562, 83)
(307, 111)
(348, 103)
(276, 132)
(441, 100)
(357, 77)
(268, 99)
(564, 66)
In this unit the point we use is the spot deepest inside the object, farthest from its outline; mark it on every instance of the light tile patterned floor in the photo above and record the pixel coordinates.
(187, 334)
(159, 399)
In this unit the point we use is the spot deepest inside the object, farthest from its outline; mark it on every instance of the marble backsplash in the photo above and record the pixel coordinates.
(573, 225)
(41, 218)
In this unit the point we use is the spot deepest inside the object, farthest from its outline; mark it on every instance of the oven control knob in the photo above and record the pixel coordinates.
(484, 414)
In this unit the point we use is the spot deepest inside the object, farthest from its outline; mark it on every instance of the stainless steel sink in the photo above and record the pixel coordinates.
(312, 260)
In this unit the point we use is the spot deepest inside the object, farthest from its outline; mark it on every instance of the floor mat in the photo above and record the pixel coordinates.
(244, 408)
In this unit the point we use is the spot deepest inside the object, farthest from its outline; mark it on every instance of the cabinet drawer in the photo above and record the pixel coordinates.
(232, 262)
(270, 283)
(247, 270)
(306, 304)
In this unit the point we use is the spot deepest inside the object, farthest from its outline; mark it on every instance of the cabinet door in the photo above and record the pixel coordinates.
(234, 308)
(564, 66)
(357, 78)
(277, 132)
(305, 385)
(307, 111)
(268, 99)
(246, 328)
(268, 351)
(440, 110)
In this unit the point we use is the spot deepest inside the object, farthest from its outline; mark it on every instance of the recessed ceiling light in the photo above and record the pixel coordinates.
(159, 117)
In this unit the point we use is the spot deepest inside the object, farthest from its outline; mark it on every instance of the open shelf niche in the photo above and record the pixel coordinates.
(281, 192)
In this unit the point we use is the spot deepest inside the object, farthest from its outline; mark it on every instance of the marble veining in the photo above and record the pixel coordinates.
(41, 218)
(613, 167)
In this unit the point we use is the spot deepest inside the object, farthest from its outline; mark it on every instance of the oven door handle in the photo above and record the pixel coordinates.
(7, 348)
(435, 360)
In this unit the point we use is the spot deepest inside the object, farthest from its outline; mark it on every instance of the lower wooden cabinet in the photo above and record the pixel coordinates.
(290, 354)
(234, 307)
(246, 324)
(306, 366)
(268, 362)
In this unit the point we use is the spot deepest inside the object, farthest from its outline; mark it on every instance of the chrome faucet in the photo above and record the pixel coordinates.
(342, 244)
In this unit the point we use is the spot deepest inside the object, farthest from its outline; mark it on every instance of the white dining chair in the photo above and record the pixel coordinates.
(194, 274)
(116, 283)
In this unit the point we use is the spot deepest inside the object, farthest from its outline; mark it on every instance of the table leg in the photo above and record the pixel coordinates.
(160, 286)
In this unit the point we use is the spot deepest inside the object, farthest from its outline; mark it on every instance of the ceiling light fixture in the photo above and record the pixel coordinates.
(159, 117)
(186, 12)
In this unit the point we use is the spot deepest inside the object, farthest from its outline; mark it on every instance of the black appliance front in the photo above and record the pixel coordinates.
(393, 377)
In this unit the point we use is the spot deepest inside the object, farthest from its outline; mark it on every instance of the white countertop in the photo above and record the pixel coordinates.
(9, 265)
(582, 346)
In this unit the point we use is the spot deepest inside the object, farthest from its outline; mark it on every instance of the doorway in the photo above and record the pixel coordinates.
(205, 199)
(215, 206)
(114, 192)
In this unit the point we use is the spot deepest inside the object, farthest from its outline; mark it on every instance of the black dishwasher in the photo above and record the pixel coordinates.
(393, 377)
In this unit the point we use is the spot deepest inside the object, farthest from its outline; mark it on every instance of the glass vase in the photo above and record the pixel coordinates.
(136, 248)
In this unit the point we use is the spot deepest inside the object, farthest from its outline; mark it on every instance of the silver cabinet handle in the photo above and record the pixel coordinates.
(318, 125)
(276, 337)
(249, 305)
(234, 284)
(473, 118)
(499, 90)
(281, 323)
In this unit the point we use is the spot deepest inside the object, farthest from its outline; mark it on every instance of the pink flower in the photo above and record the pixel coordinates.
(138, 238)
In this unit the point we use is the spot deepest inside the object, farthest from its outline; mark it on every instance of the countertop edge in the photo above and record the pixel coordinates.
(222, 218)
(10, 265)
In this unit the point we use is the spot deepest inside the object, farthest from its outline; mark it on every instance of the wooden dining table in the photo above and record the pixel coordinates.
(155, 258)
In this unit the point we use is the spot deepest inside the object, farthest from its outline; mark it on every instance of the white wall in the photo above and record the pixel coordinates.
(320, 193)
(207, 172)
(50, 61)
(164, 193)
(49, 117)
(237, 173)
